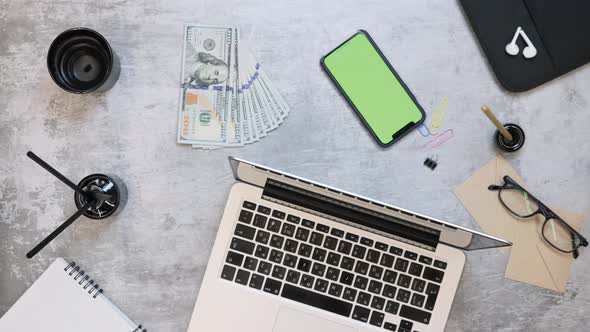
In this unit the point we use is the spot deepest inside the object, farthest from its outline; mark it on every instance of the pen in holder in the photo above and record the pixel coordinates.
(509, 137)
(96, 196)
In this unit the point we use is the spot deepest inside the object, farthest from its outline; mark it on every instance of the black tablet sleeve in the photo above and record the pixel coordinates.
(559, 30)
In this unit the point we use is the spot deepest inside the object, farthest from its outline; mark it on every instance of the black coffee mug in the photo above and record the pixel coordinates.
(80, 60)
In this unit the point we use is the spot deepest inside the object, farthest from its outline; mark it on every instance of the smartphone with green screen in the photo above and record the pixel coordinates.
(373, 88)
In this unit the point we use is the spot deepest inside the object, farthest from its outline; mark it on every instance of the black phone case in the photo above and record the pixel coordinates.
(397, 136)
(560, 31)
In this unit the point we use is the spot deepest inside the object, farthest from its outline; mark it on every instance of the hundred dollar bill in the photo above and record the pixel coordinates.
(205, 98)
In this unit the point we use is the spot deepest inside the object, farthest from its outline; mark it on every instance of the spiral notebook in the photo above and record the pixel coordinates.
(66, 299)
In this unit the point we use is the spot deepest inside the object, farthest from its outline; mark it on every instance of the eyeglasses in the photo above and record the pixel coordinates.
(555, 231)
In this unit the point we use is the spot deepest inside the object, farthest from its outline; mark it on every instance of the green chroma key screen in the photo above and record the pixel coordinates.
(373, 88)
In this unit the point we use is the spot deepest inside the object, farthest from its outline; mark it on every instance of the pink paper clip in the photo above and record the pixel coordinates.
(438, 139)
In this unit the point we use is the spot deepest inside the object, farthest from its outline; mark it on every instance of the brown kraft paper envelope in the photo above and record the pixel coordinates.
(531, 260)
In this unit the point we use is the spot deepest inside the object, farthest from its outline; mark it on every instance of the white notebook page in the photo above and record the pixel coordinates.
(57, 302)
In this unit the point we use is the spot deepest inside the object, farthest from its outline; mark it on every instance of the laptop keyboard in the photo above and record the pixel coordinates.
(333, 270)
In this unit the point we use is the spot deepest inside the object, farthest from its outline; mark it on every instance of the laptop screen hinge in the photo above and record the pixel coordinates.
(351, 214)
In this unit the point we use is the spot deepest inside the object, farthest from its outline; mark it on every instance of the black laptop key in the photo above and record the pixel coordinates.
(333, 274)
(256, 281)
(344, 247)
(250, 263)
(387, 260)
(302, 234)
(242, 277)
(335, 290)
(403, 295)
(291, 246)
(378, 303)
(307, 281)
(373, 256)
(418, 285)
(349, 294)
(331, 243)
(290, 260)
(432, 289)
(390, 276)
(278, 271)
(411, 255)
(234, 258)
(333, 259)
(316, 300)
(293, 219)
(261, 251)
(304, 250)
(361, 282)
(337, 232)
(263, 209)
(375, 287)
(401, 265)
(308, 223)
(390, 326)
(389, 291)
(293, 276)
(346, 278)
(392, 307)
(431, 295)
(358, 251)
(260, 221)
(262, 237)
(415, 269)
(304, 265)
(414, 314)
(363, 298)
(274, 225)
(406, 325)
(249, 205)
(376, 318)
(264, 267)
(433, 274)
(288, 230)
(228, 272)
(276, 256)
(321, 285)
(278, 214)
(318, 269)
(347, 263)
(351, 237)
(395, 250)
(245, 216)
(272, 286)
(366, 241)
(440, 265)
(316, 238)
(244, 231)
(404, 280)
(322, 228)
(361, 267)
(417, 300)
(277, 241)
(244, 246)
(376, 272)
(319, 254)
(424, 259)
(361, 314)
(381, 246)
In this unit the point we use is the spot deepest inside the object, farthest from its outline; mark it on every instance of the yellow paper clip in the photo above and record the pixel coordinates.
(438, 116)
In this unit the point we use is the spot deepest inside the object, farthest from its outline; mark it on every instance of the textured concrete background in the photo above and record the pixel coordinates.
(151, 258)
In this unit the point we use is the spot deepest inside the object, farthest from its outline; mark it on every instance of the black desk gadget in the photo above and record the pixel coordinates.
(530, 42)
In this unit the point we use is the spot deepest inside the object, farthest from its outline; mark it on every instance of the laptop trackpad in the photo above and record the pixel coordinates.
(289, 320)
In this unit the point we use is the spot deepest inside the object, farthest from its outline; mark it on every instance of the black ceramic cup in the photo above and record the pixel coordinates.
(107, 191)
(80, 60)
(517, 138)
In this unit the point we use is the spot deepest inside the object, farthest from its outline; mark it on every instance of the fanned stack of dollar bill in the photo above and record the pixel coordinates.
(226, 98)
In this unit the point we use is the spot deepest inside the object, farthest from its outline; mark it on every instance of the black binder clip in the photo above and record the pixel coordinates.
(431, 162)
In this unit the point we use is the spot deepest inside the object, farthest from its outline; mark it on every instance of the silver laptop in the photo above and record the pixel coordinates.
(293, 255)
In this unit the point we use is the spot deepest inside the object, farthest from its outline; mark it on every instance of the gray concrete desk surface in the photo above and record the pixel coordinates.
(151, 258)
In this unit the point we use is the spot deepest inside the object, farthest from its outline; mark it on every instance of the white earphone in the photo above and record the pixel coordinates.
(529, 51)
